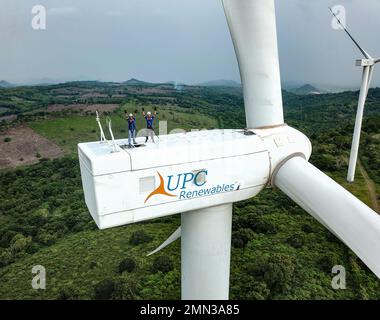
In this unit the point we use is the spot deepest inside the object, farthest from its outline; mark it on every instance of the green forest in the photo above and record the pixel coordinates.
(278, 250)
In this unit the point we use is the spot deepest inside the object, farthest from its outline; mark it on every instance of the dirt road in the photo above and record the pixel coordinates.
(371, 188)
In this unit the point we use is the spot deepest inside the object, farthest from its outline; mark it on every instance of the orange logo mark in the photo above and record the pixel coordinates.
(160, 189)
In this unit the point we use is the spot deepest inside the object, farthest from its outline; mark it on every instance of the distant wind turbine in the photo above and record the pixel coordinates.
(368, 64)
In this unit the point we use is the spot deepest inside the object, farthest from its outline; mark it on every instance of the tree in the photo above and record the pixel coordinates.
(104, 289)
(162, 264)
(277, 271)
(128, 264)
(126, 289)
(327, 262)
(265, 227)
(68, 293)
(241, 237)
(140, 237)
(296, 240)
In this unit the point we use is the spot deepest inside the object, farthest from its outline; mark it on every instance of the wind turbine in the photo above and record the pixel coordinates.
(201, 174)
(368, 64)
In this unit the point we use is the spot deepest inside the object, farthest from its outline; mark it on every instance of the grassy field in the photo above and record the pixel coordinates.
(67, 132)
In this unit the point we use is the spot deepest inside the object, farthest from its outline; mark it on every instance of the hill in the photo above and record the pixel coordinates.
(135, 82)
(305, 90)
(5, 84)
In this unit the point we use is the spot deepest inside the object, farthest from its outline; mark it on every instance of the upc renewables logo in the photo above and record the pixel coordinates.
(183, 182)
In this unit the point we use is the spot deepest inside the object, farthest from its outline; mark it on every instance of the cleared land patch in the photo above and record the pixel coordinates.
(78, 106)
(8, 118)
(23, 146)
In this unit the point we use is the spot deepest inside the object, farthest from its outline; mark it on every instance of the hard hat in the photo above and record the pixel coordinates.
(131, 115)
(148, 113)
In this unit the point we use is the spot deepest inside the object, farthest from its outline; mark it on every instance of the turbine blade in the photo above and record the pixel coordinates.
(366, 55)
(176, 235)
(252, 25)
(351, 220)
(367, 76)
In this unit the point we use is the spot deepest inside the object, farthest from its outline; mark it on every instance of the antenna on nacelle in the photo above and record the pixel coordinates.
(109, 124)
(102, 136)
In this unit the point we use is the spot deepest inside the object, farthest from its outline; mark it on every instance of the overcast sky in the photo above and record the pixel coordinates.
(176, 40)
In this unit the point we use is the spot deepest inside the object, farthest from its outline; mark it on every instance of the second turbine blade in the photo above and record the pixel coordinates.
(351, 220)
(176, 235)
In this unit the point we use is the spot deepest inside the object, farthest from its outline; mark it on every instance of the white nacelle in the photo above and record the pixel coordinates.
(181, 172)
(365, 62)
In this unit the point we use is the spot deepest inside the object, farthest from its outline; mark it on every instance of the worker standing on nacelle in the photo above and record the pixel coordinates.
(149, 118)
(131, 128)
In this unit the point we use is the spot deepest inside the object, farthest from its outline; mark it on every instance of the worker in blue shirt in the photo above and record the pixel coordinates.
(149, 118)
(131, 119)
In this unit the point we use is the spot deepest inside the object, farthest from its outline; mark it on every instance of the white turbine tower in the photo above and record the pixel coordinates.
(200, 174)
(368, 64)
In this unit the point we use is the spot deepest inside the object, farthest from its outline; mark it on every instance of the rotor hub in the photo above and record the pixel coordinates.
(365, 62)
